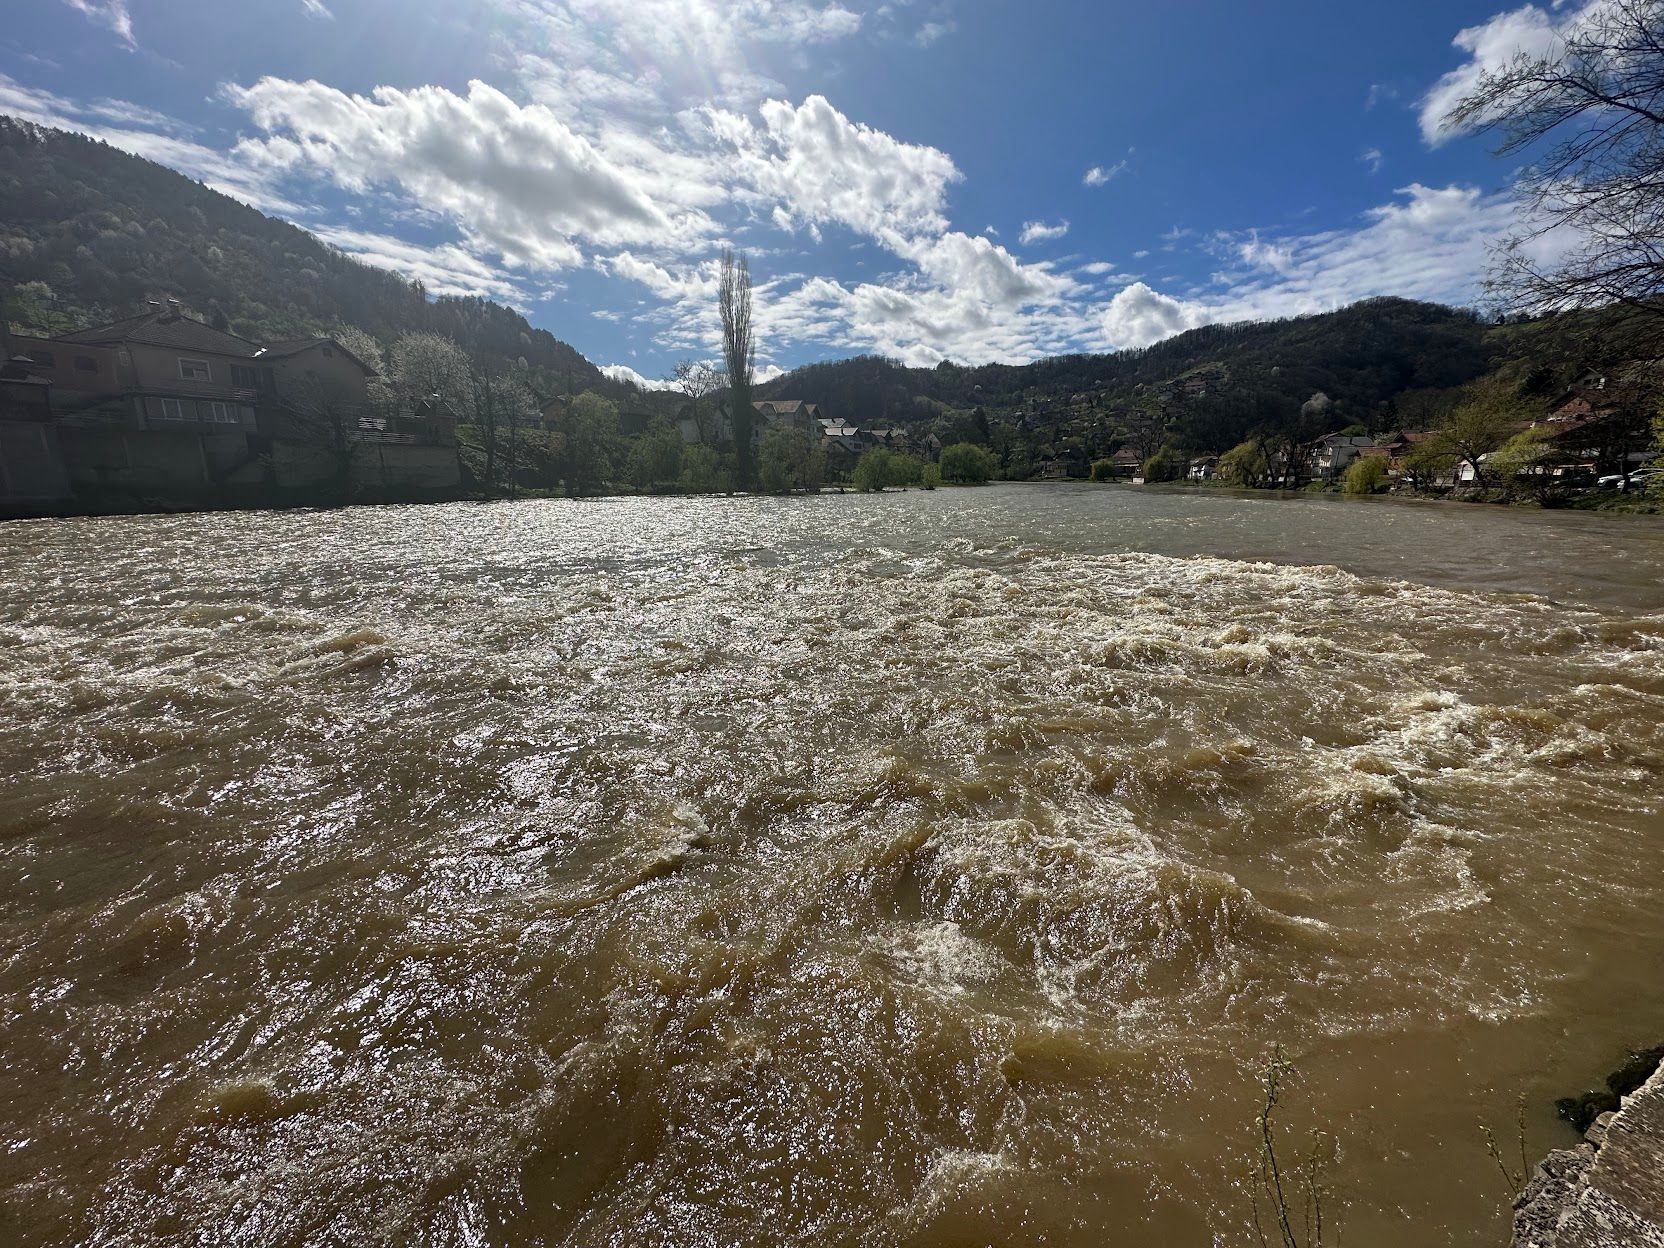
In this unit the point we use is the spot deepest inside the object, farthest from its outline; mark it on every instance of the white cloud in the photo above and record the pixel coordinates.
(515, 179)
(1040, 232)
(623, 372)
(317, 8)
(930, 32)
(112, 13)
(823, 169)
(1098, 175)
(162, 143)
(1490, 46)
(1372, 157)
(1138, 316)
(445, 269)
(1097, 268)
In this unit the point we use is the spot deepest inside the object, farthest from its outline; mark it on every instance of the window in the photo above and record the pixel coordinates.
(194, 370)
(173, 409)
(219, 413)
(244, 377)
(44, 359)
(85, 364)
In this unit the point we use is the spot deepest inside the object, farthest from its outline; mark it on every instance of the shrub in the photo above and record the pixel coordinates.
(1103, 470)
(965, 463)
(1165, 465)
(1367, 474)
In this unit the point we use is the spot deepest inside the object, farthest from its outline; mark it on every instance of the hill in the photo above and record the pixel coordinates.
(1382, 364)
(104, 231)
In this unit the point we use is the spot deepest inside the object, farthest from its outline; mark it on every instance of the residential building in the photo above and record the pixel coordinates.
(1331, 455)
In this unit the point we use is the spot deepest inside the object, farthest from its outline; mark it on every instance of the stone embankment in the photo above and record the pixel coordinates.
(1608, 1192)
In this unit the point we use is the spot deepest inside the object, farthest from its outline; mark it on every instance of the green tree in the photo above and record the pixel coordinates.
(930, 476)
(874, 471)
(965, 463)
(1165, 465)
(1525, 464)
(656, 457)
(592, 443)
(1247, 464)
(703, 470)
(1367, 474)
(1482, 422)
(739, 353)
(1103, 470)
(787, 461)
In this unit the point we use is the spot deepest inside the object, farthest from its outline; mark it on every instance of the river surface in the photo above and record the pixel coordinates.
(931, 869)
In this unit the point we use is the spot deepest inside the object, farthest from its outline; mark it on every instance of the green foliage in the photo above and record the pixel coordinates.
(965, 463)
(704, 472)
(656, 458)
(1524, 465)
(788, 461)
(1165, 465)
(930, 476)
(1366, 475)
(880, 469)
(1488, 416)
(1103, 470)
(1247, 464)
(592, 443)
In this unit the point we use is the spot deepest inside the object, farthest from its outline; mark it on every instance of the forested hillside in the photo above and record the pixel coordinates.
(88, 233)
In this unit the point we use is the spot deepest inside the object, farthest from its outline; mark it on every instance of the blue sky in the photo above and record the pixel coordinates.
(964, 179)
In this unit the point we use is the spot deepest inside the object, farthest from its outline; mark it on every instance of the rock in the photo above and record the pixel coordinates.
(1552, 1187)
(1636, 1070)
(1581, 1111)
(1596, 1134)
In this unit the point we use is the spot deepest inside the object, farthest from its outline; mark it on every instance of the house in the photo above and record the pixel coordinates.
(1203, 468)
(1126, 462)
(789, 414)
(1332, 454)
(31, 462)
(161, 406)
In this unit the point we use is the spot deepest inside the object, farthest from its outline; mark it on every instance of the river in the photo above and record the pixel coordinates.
(929, 869)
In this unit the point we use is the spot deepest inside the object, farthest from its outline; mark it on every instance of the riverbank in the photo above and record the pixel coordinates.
(1608, 1190)
(1610, 501)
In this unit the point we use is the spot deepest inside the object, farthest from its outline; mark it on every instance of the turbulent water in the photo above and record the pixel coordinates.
(927, 869)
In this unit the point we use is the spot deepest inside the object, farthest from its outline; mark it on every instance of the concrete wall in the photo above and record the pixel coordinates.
(31, 464)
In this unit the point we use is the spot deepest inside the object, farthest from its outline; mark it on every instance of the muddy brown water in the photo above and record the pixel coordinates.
(927, 869)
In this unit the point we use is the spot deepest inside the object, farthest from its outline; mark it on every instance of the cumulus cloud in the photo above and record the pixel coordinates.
(515, 178)
(1041, 232)
(824, 169)
(1138, 316)
(1490, 46)
(624, 373)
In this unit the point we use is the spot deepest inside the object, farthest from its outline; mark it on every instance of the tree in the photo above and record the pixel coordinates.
(697, 382)
(739, 353)
(1165, 465)
(1487, 418)
(592, 443)
(325, 417)
(1525, 463)
(965, 463)
(1589, 113)
(1247, 464)
(874, 471)
(424, 366)
(656, 457)
(703, 470)
(1367, 474)
(1103, 470)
